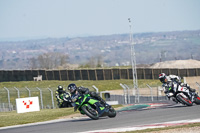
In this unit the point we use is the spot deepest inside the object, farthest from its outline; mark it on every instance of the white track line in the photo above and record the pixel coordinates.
(142, 127)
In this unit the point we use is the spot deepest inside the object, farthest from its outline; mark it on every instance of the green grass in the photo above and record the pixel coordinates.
(101, 84)
(13, 118)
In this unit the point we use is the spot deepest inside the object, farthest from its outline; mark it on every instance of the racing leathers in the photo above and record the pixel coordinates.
(172, 84)
(83, 90)
(59, 96)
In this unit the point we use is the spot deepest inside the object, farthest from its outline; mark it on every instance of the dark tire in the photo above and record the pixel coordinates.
(112, 113)
(90, 112)
(183, 100)
(197, 100)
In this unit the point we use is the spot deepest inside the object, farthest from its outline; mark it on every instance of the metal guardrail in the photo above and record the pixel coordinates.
(151, 92)
(8, 97)
(29, 91)
(128, 94)
(125, 93)
(40, 97)
(97, 90)
(51, 97)
(18, 93)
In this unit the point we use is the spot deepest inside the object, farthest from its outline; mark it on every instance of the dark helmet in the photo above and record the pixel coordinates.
(72, 88)
(60, 87)
(162, 77)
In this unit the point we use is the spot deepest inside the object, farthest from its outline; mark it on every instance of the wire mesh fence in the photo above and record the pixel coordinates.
(130, 95)
(8, 98)
(47, 98)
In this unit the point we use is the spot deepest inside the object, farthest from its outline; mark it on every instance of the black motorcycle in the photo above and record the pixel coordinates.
(67, 102)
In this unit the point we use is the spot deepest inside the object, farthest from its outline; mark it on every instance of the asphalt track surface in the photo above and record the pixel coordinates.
(123, 119)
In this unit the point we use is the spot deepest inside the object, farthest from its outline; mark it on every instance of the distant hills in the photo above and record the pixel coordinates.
(111, 50)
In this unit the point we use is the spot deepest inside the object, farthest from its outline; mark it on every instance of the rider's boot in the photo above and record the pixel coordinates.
(193, 96)
(103, 102)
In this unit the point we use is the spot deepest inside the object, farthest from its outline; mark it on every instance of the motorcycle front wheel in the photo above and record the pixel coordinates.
(90, 112)
(112, 113)
(184, 100)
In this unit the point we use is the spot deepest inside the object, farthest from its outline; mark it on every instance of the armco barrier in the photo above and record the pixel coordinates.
(93, 74)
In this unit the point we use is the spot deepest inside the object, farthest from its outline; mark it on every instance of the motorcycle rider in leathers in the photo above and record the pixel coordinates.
(73, 89)
(59, 94)
(168, 82)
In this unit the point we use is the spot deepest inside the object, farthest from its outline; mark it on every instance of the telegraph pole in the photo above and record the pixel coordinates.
(133, 62)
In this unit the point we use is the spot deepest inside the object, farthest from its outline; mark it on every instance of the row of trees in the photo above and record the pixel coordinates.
(55, 60)
(49, 61)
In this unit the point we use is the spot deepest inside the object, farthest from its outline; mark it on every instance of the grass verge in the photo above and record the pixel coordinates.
(13, 118)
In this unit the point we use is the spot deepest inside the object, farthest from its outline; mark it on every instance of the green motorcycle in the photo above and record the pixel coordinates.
(91, 107)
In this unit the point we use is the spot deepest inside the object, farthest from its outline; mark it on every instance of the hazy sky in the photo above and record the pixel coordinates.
(62, 18)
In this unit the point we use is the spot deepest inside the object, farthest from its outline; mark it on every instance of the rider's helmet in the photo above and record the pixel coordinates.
(72, 88)
(60, 88)
(162, 77)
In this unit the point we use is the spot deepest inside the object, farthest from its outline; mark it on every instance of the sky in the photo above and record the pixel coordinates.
(22, 19)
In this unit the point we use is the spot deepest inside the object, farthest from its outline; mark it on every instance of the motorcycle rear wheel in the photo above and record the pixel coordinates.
(183, 100)
(90, 112)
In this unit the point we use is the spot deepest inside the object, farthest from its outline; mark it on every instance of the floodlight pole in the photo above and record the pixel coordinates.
(133, 62)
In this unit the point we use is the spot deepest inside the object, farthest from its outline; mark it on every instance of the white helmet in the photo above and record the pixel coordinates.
(162, 77)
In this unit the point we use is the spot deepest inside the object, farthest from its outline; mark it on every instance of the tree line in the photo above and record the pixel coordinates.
(56, 60)
(49, 60)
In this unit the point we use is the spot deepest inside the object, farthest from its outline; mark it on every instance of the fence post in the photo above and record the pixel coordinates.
(18, 94)
(97, 90)
(88, 74)
(40, 97)
(129, 98)
(8, 98)
(29, 91)
(159, 92)
(150, 91)
(51, 97)
(125, 93)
